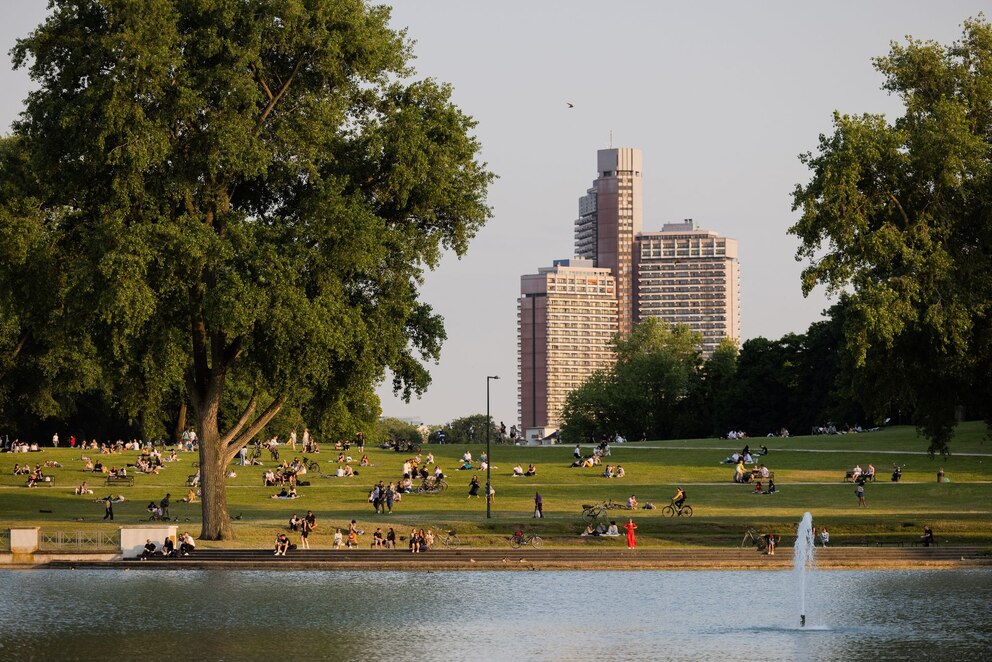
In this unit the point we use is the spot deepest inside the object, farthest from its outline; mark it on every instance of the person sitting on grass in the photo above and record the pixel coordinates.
(338, 542)
(771, 487)
(619, 473)
(531, 470)
(590, 531)
(518, 471)
(190, 496)
(757, 488)
(83, 489)
(608, 471)
(612, 531)
(632, 502)
(282, 545)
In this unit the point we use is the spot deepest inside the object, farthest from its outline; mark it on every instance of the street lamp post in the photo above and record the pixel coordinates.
(489, 459)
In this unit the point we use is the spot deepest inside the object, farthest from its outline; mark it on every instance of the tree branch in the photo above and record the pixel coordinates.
(242, 421)
(20, 345)
(902, 211)
(253, 429)
(273, 100)
(261, 81)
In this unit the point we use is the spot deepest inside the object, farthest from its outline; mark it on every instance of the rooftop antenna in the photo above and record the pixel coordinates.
(611, 138)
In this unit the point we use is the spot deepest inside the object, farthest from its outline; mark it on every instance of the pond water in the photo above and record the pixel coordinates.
(223, 615)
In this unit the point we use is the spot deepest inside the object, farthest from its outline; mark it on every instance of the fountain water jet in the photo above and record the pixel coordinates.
(802, 561)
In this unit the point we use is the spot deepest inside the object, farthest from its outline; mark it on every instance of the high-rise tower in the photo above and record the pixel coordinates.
(610, 216)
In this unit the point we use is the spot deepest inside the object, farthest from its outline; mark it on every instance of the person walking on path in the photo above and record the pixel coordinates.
(108, 508)
(860, 492)
(473, 488)
(538, 506)
(940, 475)
(631, 536)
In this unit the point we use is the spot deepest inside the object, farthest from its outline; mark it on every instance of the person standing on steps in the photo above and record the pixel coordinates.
(631, 536)
(859, 491)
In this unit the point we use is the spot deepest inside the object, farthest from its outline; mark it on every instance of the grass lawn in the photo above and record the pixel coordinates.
(809, 474)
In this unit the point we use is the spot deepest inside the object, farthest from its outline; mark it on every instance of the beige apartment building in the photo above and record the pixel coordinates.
(567, 316)
(689, 276)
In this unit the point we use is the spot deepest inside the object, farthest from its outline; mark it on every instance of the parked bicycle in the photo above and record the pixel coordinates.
(432, 486)
(754, 539)
(672, 510)
(311, 465)
(518, 540)
(593, 511)
(449, 539)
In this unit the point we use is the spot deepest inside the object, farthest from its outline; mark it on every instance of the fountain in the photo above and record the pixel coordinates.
(802, 561)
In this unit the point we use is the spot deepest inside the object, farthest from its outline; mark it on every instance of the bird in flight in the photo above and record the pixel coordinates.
(570, 105)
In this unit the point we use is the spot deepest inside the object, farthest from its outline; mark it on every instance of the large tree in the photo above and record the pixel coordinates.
(900, 215)
(641, 395)
(248, 193)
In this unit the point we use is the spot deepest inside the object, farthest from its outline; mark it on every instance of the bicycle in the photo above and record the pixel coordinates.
(431, 486)
(756, 539)
(518, 541)
(449, 539)
(311, 465)
(671, 510)
(592, 512)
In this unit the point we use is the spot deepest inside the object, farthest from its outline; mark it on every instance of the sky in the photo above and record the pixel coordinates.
(721, 97)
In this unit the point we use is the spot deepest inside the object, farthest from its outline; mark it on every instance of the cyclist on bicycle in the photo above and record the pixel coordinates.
(679, 498)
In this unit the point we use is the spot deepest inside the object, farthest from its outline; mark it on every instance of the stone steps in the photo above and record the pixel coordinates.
(689, 557)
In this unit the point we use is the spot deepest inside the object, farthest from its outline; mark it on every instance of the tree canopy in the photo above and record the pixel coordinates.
(639, 396)
(244, 196)
(897, 214)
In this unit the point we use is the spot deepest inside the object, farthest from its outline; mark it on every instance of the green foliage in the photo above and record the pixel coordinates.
(393, 429)
(470, 430)
(250, 193)
(639, 397)
(897, 214)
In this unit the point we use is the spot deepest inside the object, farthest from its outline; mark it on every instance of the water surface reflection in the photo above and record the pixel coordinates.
(217, 615)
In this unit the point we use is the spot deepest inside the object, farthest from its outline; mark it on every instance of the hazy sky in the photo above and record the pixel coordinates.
(720, 96)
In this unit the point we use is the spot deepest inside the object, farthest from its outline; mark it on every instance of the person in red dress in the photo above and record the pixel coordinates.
(631, 537)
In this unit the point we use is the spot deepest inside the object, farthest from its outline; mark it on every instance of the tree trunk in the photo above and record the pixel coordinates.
(180, 423)
(213, 477)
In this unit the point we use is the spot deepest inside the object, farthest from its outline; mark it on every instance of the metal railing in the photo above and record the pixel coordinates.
(4, 540)
(93, 540)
